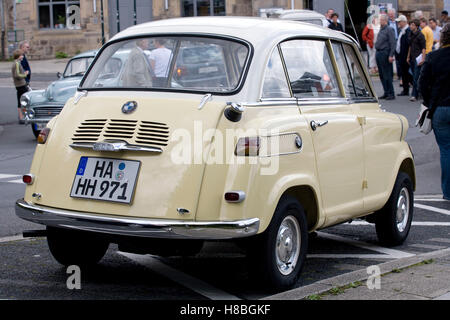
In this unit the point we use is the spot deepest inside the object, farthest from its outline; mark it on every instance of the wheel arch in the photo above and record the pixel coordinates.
(407, 166)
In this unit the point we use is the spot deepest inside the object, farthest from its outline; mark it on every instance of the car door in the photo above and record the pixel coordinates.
(380, 129)
(335, 129)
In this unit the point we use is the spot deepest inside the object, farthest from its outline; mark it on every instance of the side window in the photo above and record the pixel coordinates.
(347, 78)
(311, 73)
(361, 86)
(275, 83)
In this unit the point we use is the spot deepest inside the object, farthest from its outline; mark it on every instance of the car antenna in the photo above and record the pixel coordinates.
(351, 20)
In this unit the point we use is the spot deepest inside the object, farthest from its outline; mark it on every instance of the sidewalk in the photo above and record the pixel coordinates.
(37, 66)
(421, 277)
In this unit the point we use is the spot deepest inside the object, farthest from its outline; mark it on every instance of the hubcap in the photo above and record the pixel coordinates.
(288, 245)
(402, 209)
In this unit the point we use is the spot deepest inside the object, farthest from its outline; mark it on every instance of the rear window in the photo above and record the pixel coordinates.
(178, 63)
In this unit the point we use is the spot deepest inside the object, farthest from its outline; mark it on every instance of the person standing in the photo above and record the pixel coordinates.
(24, 46)
(19, 76)
(335, 25)
(392, 21)
(436, 32)
(385, 46)
(416, 49)
(401, 53)
(137, 70)
(434, 84)
(159, 60)
(444, 18)
(428, 34)
(368, 37)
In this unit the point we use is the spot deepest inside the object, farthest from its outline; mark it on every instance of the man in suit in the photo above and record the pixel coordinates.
(385, 46)
(137, 71)
(401, 53)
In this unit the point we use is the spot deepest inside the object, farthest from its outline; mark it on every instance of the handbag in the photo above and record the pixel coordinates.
(423, 121)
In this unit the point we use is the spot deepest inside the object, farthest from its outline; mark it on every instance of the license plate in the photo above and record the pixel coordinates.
(105, 179)
(208, 69)
(39, 126)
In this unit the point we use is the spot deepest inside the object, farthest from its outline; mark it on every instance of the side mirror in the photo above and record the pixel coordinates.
(59, 75)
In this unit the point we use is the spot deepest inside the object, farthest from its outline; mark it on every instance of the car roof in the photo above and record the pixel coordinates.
(298, 14)
(86, 54)
(252, 29)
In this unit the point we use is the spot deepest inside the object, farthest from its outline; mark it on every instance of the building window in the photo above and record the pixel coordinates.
(53, 13)
(308, 4)
(191, 8)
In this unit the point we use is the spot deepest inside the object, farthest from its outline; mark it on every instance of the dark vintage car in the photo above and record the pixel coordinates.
(42, 105)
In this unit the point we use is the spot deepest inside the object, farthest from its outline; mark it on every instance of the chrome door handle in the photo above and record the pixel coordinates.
(316, 124)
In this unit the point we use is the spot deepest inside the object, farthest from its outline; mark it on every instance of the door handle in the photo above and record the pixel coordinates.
(316, 124)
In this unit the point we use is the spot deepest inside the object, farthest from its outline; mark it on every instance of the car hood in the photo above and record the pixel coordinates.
(61, 90)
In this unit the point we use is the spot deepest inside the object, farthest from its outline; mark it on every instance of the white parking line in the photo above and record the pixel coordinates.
(439, 210)
(387, 252)
(431, 200)
(414, 223)
(179, 277)
(15, 181)
(8, 176)
(11, 238)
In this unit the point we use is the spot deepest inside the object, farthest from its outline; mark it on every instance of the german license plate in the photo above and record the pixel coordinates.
(105, 179)
(39, 126)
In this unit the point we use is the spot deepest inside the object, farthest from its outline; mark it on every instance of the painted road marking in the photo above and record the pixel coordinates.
(15, 181)
(386, 253)
(440, 240)
(11, 238)
(8, 176)
(414, 223)
(431, 200)
(179, 277)
(427, 246)
(439, 210)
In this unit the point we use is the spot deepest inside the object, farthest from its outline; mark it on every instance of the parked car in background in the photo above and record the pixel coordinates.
(42, 105)
(287, 140)
(300, 15)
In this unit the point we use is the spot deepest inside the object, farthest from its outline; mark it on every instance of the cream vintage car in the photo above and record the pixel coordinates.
(246, 129)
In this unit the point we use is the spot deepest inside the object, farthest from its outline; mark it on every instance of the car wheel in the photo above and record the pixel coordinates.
(393, 221)
(70, 247)
(278, 254)
(35, 131)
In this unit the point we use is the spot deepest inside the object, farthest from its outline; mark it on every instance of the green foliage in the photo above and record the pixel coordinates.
(60, 55)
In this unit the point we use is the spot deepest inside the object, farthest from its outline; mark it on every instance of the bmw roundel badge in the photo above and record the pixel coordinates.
(129, 107)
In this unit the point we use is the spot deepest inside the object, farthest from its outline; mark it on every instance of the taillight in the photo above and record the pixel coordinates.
(181, 71)
(43, 135)
(28, 178)
(247, 146)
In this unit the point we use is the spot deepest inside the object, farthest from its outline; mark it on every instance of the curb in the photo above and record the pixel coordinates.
(359, 275)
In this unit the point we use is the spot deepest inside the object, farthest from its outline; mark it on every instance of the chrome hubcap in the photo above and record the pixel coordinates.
(402, 209)
(288, 245)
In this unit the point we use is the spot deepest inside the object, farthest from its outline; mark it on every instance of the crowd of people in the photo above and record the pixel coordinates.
(393, 39)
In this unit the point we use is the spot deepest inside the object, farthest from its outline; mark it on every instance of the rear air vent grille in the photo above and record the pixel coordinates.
(141, 133)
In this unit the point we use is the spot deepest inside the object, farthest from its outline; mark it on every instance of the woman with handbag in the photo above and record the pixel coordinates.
(19, 78)
(434, 85)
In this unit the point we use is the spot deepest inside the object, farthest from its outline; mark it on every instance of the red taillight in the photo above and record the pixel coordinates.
(28, 178)
(235, 196)
(43, 135)
(247, 146)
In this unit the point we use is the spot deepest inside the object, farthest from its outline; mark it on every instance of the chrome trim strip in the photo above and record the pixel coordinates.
(138, 227)
(123, 147)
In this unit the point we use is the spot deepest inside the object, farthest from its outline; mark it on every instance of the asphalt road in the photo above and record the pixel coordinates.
(27, 270)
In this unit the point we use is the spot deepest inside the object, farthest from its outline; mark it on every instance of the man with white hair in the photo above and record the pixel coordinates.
(392, 23)
(385, 46)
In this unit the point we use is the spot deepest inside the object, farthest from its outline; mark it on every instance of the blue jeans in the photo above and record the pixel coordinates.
(415, 69)
(441, 128)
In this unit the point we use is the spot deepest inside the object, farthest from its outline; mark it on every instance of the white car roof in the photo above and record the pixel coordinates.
(254, 30)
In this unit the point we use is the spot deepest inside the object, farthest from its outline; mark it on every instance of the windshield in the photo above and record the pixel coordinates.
(178, 63)
(77, 67)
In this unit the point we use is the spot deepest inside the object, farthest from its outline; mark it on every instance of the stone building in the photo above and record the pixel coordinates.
(72, 26)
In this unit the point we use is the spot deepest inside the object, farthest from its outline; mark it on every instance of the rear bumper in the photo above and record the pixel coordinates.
(136, 227)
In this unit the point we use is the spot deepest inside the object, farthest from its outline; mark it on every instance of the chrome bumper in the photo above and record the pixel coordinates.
(137, 227)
